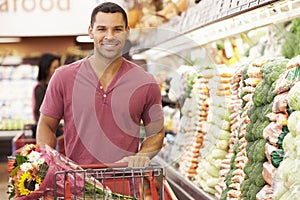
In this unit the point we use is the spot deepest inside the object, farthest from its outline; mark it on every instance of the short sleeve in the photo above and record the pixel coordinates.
(153, 108)
(52, 105)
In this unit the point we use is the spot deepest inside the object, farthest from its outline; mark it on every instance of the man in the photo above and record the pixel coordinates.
(102, 100)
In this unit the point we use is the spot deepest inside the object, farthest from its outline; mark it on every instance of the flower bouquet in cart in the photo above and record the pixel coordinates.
(31, 176)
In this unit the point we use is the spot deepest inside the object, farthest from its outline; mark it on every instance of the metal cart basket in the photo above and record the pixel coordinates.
(113, 182)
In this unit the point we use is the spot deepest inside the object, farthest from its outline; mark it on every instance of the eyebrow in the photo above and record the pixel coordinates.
(118, 26)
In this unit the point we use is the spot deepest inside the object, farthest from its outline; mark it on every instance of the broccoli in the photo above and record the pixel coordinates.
(228, 180)
(267, 109)
(259, 111)
(258, 134)
(253, 117)
(251, 110)
(245, 185)
(259, 180)
(249, 149)
(249, 136)
(253, 190)
(272, 70)
(248, 168)
(272, 92)
(236, 147)
(249, 127)
(224, 194)
(258, 94)
(232, 162)
(264, 125)
(256, 129)
(265, 91)
(259, 150)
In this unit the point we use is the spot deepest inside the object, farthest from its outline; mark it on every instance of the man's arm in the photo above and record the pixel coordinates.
(149, 148)
(152, 144)
(46, 131)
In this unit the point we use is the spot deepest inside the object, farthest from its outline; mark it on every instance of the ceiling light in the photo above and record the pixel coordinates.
(10, 39)
(84, 39)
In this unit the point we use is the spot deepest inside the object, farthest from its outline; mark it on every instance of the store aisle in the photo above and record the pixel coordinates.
(3, 180)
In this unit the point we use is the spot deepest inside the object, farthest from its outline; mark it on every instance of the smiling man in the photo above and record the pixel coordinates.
(102, 100)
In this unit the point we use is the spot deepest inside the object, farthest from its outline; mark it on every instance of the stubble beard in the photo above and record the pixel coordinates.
(108, 55)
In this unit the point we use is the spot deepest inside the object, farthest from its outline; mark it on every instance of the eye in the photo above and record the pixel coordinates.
(119, 29)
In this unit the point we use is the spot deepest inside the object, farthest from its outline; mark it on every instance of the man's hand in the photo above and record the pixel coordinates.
(136, 161)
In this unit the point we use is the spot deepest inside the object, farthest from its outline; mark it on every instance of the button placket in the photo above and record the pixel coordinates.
(104, 94)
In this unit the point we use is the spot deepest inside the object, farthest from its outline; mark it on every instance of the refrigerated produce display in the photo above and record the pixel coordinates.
(235, 127)
(16, 83)
(232, 134)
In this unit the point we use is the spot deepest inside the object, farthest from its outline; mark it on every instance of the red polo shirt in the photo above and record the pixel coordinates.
(102, 126)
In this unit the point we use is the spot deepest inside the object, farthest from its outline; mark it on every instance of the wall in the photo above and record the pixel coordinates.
(32, 46)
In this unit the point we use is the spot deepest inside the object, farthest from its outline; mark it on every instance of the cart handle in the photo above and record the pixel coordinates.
(104, 165)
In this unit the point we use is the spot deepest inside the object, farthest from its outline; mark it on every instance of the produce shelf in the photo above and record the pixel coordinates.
(182, 187)
(183, 33)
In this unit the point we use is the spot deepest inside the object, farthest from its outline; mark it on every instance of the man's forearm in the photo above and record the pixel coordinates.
(48, 138)
(46, 131)
(152, 145)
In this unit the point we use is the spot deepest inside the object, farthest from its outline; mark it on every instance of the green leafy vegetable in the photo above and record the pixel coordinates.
(277, 156)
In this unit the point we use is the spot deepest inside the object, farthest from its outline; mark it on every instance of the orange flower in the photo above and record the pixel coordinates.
(28, 148)
(11, 165)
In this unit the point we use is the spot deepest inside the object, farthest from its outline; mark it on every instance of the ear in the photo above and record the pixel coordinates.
(90, 30)
(127, 31)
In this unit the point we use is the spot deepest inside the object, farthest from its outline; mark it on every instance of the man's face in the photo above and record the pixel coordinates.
(109, 34)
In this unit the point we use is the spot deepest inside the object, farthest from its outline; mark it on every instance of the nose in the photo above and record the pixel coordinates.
(109, 34)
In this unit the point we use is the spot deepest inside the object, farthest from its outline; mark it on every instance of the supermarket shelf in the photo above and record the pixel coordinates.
(165, 40)
(182, 187)
(9, 134)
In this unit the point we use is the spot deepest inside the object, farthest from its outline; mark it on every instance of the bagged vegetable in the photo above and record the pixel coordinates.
(280, 103)
(294, 97)
(287, 80)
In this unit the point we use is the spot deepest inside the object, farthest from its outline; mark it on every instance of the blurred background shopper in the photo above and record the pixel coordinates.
(48, 63)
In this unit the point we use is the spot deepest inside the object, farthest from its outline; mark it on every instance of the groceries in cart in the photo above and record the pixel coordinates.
(36, 173)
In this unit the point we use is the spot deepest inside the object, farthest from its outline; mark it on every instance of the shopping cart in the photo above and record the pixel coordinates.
(112, 181)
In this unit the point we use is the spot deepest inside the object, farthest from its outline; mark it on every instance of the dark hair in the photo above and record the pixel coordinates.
(109, 7)
(45, 64)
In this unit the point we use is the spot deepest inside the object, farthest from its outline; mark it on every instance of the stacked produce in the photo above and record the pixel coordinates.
(181, 80)
(286, 184)
(262, 105)
(234, 139)
(216, 142)
(194, 139)
(251, 76)
(235, 108)
(188, 141)
(275, 132)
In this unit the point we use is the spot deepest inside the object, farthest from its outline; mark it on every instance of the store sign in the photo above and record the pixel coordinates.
(32, 5)
(45, 17)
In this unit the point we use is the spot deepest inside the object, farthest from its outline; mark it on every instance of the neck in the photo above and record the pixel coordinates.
(104, 65)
